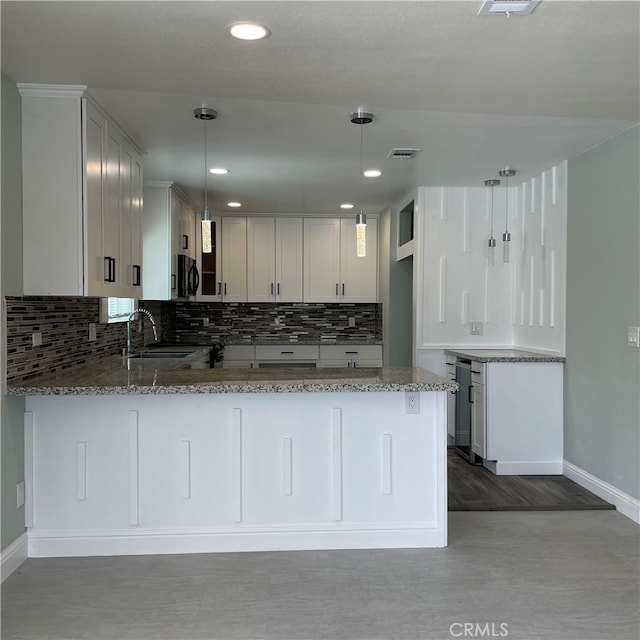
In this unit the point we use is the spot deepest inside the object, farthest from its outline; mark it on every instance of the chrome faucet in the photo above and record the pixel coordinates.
(130, 318)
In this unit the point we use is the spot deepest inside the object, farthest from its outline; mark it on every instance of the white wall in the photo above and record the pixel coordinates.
(519, 303)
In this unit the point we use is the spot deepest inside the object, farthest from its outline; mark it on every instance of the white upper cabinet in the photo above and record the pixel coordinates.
(274, 260)
(81, 178)
(234, 259)
(321, 260)
(166, 234)
(358, 276)
(332, 270)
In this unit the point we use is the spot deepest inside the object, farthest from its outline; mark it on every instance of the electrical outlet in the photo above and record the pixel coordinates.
(19, 494)
(92, 332)
(412, 402)
(36, 339)
(633, 336)
(352, 321)
(475, 328)
(205, 322)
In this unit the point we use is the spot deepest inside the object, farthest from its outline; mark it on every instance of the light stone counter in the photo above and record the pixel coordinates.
(503, 355)
(117, 376)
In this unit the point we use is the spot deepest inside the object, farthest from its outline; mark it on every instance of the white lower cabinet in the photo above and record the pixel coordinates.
(239, 356)
(356, 355)
(517, 415)
(233, 472)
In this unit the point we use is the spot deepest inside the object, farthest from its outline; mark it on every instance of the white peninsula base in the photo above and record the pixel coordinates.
(149, 474)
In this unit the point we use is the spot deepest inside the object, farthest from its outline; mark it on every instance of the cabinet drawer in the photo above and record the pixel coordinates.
(239, 352)
(478, 372)
(351, 352)
(286, 352)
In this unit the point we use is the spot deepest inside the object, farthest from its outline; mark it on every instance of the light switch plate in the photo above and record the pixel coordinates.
(92, 332)
(36, 339)
(475, 328)
(633, 336)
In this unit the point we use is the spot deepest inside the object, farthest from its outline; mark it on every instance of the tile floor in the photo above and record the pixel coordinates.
(570, 575)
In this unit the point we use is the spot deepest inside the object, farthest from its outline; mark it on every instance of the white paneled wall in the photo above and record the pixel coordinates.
(538, 299)
(519, 303)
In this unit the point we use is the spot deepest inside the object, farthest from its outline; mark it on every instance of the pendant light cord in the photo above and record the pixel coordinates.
(361, 170)
(506, 207)
(492, 188)
(206, 208)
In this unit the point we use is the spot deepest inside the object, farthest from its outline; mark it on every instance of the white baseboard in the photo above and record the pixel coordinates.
(66, 543)
(524, 468)
(13, 556)
(624, 503)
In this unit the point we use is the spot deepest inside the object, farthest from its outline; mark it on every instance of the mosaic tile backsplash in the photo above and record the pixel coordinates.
(64, 324)
(246, 323)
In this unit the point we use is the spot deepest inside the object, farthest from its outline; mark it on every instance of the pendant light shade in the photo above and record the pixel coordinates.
(492, 241)
(361, 117)
(506, 236)
(203, 113)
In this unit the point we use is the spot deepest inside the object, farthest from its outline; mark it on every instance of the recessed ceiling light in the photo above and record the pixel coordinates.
(219, 171)
(507, 7)
(249, 31)
(346, 205)
(234, 204)
(372, 173)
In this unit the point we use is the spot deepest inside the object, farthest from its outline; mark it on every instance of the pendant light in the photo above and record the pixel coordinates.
(492, 241)
(360, 116)
(203, 113)
(506, 236)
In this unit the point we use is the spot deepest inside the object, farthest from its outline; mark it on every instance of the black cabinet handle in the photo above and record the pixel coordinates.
(471, 394)
(185, 242)
(111, 269)
(137, 272)
(278, 289)
(336, 288)
(343, 289)
(272, 288)
(352, 352)
(225, 288)
(173, 282)
(473, 371)
(219, 288)
(286, 352)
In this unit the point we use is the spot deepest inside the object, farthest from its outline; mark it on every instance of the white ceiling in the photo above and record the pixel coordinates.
(475, 93)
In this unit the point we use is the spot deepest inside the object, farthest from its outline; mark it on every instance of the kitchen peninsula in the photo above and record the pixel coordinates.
(134, 458)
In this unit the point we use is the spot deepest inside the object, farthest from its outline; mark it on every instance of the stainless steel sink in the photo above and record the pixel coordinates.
(162, 354)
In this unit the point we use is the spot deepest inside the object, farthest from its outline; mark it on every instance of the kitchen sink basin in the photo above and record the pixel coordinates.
(161, 354)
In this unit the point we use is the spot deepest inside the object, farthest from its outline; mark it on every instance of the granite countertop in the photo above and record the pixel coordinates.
(276, 341)
(115, 375)
(503, 355)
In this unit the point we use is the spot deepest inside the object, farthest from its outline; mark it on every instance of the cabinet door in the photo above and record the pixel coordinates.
(321, 259)
(210, 263)
(478, 420)
(131, 240)
(176, 240)
(111, 224)
(288, 259)
(95, 135)
(261, 260)
(234, 259)
(358, 276)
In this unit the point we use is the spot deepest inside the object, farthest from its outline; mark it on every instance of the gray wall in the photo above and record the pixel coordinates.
(11, 430)
(602, 377)
(396, 294)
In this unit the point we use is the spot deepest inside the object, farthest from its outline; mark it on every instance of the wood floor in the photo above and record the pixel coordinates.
(473, 488)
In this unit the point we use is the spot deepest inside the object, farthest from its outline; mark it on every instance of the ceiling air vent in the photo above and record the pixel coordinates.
(508, 7)
(404, 152)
